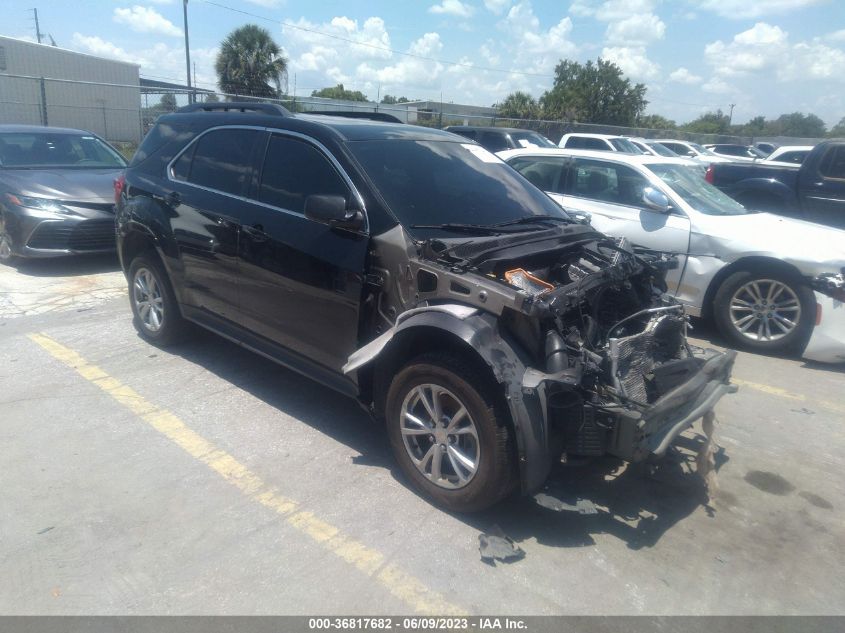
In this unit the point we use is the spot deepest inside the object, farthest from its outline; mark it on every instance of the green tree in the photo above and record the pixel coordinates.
(519, 105)
(390, 100)
(838, 130)
(656, 122)
(249, 61)
(340, 93)
(709, 123)
(593, 93)
(797, 124)
(167, 102)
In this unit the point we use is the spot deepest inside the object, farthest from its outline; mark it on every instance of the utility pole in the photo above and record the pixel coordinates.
(37, 28)
(187, 50)
(731, 115)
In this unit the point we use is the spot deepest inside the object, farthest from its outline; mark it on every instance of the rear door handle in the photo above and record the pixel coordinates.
(256, 232)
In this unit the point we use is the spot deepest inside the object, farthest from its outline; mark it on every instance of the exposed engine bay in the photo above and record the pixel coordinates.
(574, 320)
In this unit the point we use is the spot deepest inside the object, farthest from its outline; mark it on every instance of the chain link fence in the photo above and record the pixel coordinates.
(123, 113)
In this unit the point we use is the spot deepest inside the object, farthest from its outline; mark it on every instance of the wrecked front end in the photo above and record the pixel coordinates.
(591, 354)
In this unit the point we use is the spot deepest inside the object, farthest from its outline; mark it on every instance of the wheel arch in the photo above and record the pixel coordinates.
(755, 263)
(478, 340)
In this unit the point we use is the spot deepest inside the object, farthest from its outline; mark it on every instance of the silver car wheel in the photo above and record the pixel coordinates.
(765, 310)
(440, 436)
(148, 300)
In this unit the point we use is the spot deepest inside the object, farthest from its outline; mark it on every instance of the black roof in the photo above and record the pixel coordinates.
(339, 128)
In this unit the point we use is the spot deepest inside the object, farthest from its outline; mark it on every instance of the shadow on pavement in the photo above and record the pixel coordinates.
(71, 266)
(637, 503)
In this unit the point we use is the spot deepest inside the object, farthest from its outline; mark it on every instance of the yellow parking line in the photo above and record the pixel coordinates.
(783, 393)
(370, 562)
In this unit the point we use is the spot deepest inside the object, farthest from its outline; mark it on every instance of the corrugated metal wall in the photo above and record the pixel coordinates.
(112, 111)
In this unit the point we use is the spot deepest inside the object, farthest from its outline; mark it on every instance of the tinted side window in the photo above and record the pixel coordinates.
(495, 141)
(833, 163)
(575, 142)
(679, 149)
(182, 166)
(466, 133)
(792, 157)
(546, 173)
(596, 143)
(223, 160)
(294, 170)
(608, 182)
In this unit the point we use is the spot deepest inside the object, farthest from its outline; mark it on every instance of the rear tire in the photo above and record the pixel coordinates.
(464, 462)
(765, 312)
(155, 311)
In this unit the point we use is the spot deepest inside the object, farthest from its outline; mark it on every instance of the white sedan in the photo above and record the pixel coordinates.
(770, 283)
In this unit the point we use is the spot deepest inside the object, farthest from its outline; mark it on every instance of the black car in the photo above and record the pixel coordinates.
(498, 139)
(420, 275)
(56, 192)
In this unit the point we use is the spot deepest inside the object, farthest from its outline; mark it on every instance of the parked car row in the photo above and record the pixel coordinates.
(770, 283)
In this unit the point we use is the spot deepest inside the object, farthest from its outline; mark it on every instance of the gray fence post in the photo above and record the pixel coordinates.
(44, 120)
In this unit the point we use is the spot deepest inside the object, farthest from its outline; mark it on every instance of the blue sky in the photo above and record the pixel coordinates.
(766, 56)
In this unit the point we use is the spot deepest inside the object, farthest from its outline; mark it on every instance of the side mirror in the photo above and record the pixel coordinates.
(332, 210)
(656, 200)
(581, 217)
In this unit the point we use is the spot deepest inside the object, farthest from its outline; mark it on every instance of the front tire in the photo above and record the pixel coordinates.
(7, 253)
(765, 312)
(446, 433)
(154, 308)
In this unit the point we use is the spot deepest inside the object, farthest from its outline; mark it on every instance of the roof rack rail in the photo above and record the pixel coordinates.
(358, 114)
(237, 106)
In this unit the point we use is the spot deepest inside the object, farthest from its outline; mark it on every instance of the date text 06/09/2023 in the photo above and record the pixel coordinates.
(417, 623)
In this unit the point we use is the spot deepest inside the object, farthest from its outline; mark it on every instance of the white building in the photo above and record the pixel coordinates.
(78, 90)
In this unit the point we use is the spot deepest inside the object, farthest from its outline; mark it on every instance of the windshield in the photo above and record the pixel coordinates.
(441, 182)
(689, 184)
(662, 150)
(34, 150)
(531, 139)
(624, 145)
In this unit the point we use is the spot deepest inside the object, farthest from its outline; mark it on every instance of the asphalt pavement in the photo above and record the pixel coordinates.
(204, 479)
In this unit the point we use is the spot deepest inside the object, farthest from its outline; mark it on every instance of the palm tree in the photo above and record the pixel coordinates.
(519, 105)
(248, 61)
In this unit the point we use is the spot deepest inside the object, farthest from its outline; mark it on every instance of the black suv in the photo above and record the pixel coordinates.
(498, 139)
(416, 272)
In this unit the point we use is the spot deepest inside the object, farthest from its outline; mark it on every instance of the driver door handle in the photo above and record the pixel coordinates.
(256, 232)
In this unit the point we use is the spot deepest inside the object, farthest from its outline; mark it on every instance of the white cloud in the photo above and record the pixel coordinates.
(98, 46)
(497, 6)
(633, 62)
(684, 76)
(145, 20)
(760, 47)
(716, 85)
(749, 9)
(635, 30)
(307, 50)
(765, 50)
(408, 72)
(160, 61)
(631, 27)
(452, 7)
(536, 50)
(491, 53)
(836, 36)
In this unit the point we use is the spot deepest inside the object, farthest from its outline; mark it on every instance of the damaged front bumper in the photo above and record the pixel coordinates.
(643, 432)
(827, 341)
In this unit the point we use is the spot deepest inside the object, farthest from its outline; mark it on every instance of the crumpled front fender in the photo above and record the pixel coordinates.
(479, 331)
